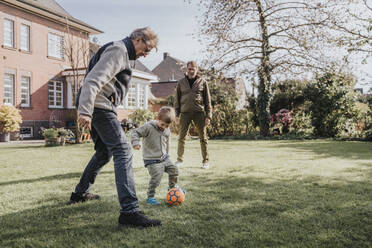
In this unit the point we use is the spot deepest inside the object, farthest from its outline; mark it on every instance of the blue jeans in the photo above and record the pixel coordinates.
(110, 140)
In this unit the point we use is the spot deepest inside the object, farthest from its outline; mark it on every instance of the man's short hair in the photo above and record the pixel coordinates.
(147, 35)
(192, 62)
(166, 114)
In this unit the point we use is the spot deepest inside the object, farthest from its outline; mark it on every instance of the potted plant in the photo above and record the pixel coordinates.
(51, 137)
(63, 135)
(10, 120)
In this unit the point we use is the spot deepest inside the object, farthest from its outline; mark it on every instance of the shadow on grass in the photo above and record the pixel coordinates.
(22, 147)
(218, 212)
(51, 178)
(326, 148)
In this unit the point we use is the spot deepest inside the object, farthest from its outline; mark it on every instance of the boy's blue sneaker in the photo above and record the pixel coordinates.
(152, 201)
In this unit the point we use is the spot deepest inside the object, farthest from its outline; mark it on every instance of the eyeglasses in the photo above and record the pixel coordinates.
(147, 50)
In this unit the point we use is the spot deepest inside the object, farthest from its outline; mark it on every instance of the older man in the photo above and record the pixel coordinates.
(104, 88)
(193, 104)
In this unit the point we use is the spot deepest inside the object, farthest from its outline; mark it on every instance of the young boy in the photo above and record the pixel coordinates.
(155, 151)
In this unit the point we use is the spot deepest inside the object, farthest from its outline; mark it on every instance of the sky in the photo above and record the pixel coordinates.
(173, 21)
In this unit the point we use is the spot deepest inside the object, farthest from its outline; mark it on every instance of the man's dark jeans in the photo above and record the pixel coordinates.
(110, 140)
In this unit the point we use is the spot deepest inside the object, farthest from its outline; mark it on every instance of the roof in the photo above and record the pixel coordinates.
(51, 9)
(48, 5)
(136, 64)
(163, 89)
(170, 69)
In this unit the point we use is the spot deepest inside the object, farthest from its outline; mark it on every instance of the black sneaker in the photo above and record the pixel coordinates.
(137, 219)
(76, 197)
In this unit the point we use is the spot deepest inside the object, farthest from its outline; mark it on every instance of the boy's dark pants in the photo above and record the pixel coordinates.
(199, 120)
(110, 140)
(156, 172)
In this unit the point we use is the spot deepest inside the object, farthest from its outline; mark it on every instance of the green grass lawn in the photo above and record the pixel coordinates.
(314, 193)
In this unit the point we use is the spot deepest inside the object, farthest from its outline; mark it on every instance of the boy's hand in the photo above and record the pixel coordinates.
(136, 147)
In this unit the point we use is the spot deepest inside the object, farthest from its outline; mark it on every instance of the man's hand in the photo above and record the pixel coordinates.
(177, 120)
(85, 121)
(207, 121)
(136, 147)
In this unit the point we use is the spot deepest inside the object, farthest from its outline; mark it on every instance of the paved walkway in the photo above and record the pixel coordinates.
(23, 142)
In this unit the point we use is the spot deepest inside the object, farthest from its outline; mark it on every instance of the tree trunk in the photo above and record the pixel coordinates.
(264, 77)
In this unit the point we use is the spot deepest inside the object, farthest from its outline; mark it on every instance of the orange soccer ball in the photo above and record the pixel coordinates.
(175, 196)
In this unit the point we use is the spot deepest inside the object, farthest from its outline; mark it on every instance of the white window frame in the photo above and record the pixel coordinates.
(28, 91)
(31, 135)
(141, 103)
(132, 93)
(12, 98)
(11, 34)
(55, 46)
(55, 91)
(25, 41)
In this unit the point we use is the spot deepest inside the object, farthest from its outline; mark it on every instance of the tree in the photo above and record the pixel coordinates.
(268, 40)
(76, 48)
(355, 27)
(332, 104)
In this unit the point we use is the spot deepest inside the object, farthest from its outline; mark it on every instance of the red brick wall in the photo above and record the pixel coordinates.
(36, 62)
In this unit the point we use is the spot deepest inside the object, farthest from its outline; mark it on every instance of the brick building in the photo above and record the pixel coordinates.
(35, 69)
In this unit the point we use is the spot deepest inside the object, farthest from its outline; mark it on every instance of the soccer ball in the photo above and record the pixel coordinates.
(175, 196)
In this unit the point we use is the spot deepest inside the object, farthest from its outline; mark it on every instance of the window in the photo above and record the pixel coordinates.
(8, 89)
(25, 91)
(25, 38)
(55, 46)
(132, 96)
(141, 96)
(55, 94)
(26, 132)
(8, 27)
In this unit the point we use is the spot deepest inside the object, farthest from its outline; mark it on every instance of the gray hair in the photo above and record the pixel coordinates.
(147, 35)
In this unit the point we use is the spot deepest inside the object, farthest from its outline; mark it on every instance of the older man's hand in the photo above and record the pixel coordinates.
(85, 121)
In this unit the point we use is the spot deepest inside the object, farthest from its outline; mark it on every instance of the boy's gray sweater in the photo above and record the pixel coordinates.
(155, 142)
(99, 83)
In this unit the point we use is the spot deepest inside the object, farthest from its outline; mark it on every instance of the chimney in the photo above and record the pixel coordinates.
(165, 55)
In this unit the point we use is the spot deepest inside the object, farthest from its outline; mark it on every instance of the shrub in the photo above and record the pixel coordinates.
(287, 95)
(301, 121)
(140, 116)
(282, 119)
(10, 119)
(332, 104)
(226, 119)
(50, 133)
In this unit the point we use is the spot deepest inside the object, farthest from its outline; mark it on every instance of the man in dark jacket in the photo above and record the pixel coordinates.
(104, 88)
(193, 104)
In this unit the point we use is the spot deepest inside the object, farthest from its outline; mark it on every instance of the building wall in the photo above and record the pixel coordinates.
(35, 63)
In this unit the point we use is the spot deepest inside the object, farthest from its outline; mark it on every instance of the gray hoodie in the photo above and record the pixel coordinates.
(155, 142)
(99, 83)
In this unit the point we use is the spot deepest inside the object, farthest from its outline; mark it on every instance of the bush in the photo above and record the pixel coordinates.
(226, 119)
(10, 119)
(332, 105)
(301, 121)
(287, 95)
(282, 119)
(50, 133)
(140, 116)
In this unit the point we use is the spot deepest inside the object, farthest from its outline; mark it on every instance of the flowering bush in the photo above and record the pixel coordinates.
(10, 118)
(282, 119)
